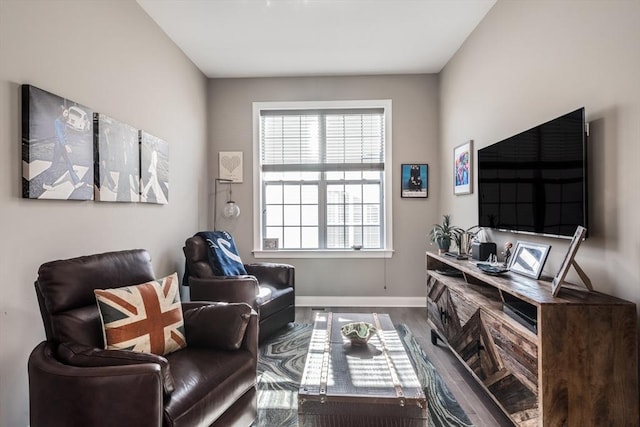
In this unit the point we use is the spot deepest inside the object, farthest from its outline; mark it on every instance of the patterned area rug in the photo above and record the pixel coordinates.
(281, 362)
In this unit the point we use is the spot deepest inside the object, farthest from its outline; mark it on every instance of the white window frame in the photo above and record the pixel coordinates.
(385, 252)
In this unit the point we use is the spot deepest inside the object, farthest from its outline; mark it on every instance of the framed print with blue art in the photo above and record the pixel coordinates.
(415, 181)
(462, 168)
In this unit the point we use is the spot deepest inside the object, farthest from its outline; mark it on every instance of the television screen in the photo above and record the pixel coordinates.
(536, 181)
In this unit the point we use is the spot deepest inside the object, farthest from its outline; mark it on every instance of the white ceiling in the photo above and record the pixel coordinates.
(266, 38)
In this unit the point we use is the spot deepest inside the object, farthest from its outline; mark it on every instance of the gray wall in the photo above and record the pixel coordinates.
(415, 140)
(529, 62)
(108, 55)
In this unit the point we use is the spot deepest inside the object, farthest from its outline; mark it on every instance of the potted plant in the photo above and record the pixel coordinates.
(443, 234)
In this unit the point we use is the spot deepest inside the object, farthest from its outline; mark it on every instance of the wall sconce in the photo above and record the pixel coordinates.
(231, 209)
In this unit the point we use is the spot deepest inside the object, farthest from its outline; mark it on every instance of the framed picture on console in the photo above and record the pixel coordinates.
(569, 260)
(528, 259)
(463, 168)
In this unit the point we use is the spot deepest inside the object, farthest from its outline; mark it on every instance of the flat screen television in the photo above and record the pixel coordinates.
(536, 181)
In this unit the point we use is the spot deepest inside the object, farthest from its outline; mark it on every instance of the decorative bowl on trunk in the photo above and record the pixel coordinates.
(358, 333)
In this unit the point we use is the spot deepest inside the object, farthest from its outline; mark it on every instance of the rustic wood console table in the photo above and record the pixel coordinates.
(570, 360)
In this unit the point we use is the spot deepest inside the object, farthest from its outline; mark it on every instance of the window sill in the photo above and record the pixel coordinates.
(321, 254)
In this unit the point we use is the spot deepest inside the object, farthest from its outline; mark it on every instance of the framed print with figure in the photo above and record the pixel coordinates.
(57, 147)
(117, 160)
(414, 181)
(154, 169)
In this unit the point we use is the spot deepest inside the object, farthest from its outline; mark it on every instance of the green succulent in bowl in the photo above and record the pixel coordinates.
(358, 332)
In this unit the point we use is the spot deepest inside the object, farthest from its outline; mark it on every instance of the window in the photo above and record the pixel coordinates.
(323, 178)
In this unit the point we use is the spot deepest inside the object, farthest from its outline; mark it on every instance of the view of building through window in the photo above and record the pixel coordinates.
(322, 178)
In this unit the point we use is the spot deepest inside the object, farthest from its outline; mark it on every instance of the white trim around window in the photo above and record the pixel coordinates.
(387, 250)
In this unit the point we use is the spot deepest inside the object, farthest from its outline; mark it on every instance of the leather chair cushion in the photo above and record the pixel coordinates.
(207, 383)
(225, 325)
(274, 300)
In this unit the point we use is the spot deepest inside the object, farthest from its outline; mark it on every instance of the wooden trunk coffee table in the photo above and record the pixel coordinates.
(372, 385)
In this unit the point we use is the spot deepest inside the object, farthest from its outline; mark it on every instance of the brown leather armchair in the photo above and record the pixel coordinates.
(73, 381)
(269, 287)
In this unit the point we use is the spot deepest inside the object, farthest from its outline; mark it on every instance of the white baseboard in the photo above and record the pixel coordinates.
(361, 301)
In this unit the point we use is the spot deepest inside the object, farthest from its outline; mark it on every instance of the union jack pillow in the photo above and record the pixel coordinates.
(145, 318)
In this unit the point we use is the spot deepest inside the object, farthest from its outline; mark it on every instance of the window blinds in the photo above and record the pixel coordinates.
(325, 140)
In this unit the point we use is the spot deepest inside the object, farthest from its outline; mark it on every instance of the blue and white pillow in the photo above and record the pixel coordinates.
(223, 254)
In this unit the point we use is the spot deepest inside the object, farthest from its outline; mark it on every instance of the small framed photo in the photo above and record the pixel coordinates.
(270, 243)
(230, 165)
(463, 169)
(528, 259)
(415, 181)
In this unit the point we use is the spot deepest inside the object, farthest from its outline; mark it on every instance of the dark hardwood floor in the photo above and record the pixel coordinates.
(482, 411)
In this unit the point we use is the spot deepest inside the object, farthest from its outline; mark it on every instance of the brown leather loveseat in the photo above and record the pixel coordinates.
(74, 381)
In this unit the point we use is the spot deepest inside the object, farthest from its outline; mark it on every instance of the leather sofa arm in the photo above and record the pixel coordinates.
(221, 326)
(195, 320)
(225, 289)
(79, 355)
(60, 395)
(250, 342)
(278, 275)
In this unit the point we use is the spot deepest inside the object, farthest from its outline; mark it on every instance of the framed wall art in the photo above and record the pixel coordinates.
(117, 162)
(463, 168)
(230, 165)
(528, 259)
(154, 169)
(57, 147)
(414, 181)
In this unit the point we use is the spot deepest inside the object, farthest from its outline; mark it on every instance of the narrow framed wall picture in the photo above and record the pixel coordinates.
(117, 153)
(463, 168)
(230, 165)
(57, 147)
(414, 181)
(154, 169)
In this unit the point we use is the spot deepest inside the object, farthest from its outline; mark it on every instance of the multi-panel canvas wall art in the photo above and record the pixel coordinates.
(71, 153)
(57, 147)
(117, 151)
(154, 169)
